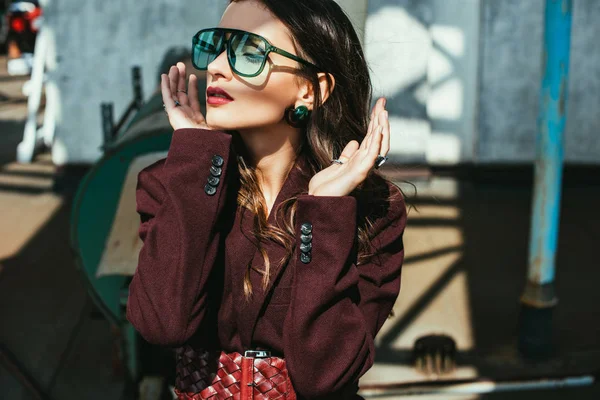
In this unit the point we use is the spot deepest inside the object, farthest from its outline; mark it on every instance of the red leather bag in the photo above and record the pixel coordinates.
(255, 375)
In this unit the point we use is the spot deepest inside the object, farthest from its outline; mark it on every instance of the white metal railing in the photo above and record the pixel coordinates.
(44, 63)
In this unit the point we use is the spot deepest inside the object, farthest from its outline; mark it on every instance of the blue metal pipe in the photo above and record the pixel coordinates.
(539, 296)
(549, 142)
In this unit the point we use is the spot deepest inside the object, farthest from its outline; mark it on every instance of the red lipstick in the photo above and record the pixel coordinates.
(216, 96)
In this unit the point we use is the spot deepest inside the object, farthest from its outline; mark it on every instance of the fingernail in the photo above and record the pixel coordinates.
(385, 115)
(384, 101)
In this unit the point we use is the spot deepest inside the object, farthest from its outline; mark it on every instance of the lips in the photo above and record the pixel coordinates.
(216, 92)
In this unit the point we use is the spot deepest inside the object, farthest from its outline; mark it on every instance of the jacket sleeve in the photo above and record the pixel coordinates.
(337, 307)
(168, 292)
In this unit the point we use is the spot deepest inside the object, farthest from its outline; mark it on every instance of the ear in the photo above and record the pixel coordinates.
(305, 94)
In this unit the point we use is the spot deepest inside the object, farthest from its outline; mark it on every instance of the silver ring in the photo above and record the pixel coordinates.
(337, 161)
(184, 91)
(380, 160)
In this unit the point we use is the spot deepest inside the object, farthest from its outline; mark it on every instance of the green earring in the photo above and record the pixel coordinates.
(297, 117)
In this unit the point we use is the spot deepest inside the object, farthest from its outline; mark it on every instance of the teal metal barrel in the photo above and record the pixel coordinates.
(104, 222)
(98, 209)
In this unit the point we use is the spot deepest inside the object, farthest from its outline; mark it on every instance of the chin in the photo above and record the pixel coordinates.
(231, 120)
(224, 122)
(218, 122)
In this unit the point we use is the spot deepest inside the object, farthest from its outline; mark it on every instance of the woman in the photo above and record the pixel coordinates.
(255, 235)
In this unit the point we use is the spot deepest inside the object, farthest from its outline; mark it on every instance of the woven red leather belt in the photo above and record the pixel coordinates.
(252, 376)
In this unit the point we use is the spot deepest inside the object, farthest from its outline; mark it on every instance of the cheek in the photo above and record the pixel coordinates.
(255, 105)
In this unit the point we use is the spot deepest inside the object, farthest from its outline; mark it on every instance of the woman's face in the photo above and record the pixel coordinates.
(260, 100)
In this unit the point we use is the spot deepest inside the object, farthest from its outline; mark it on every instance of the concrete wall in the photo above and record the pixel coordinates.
(424, 56)
(582, 141)
(511, 68)
(98, 43)
(357, 12)
(462, 77)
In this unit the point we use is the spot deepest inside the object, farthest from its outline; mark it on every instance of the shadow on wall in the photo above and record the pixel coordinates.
(421, 55)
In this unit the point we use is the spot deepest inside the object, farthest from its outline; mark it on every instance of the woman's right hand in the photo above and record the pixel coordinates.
(173, 87)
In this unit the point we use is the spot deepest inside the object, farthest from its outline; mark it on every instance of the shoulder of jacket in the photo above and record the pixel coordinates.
(394, 210)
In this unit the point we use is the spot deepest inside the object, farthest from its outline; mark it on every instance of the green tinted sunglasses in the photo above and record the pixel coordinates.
(246, 52)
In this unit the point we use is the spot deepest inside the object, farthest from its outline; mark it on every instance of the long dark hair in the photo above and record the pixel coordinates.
(323, 34)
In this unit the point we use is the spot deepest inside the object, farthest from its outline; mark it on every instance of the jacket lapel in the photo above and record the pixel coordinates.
(295, 183)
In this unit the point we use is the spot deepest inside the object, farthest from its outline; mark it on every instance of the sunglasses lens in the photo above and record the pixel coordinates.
(207, 46)
(247, 53)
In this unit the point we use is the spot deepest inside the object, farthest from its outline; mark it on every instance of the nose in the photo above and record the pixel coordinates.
(220, 65)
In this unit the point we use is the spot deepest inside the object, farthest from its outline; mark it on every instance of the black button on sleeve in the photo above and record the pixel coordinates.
(305, 247)
(306, 238)
(217, 160)
(213, 180)
(306, 228)
(305, 257)
(210, 189)
(215, 171)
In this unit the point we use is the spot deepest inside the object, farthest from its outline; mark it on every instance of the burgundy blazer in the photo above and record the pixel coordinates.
(320, 311)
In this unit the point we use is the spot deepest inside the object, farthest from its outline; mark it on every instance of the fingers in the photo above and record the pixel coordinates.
(379, 144)
(165, 88)
(375, 145)
(377, 109)
(181, 83)
(365, 140)
(373, 122)
(385, 140)
(379, 131)
(349, 151)
(173, 81)
(372, 125)
(193, 93)
(370, 128)
(372, 116)
(181, 92)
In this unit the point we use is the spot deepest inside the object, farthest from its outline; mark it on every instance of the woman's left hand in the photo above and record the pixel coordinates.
(341, 179)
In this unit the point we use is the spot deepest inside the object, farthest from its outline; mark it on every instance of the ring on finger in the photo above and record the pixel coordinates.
(337, 161)
(380, 160)
(184, 91)
(177, 103)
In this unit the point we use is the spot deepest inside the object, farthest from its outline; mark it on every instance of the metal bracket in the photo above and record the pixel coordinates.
(109, 129)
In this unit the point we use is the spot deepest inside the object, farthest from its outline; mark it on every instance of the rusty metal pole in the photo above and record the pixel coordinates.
(539, 297)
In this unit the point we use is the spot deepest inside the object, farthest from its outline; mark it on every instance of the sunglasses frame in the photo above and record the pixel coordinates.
(268, 46)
